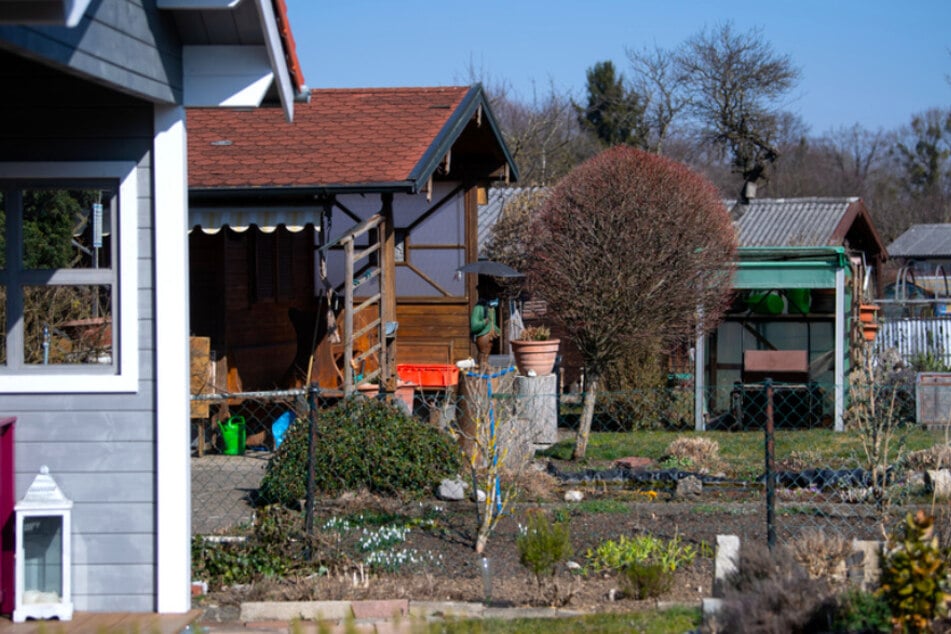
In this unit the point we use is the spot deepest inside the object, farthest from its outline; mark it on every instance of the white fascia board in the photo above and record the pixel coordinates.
(197, 5)
(275, 51)
(226, 76)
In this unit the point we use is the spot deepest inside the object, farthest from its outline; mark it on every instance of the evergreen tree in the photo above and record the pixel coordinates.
(614, 113)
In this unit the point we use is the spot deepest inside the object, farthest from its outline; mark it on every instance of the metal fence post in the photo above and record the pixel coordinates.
(311, 464)
(770, 469)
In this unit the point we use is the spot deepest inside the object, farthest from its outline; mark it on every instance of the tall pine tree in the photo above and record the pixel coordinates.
(614, 113)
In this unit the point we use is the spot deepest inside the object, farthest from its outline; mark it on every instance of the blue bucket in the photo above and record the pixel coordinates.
(280, 427)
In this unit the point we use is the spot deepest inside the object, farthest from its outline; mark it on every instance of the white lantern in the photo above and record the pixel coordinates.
(43, 552)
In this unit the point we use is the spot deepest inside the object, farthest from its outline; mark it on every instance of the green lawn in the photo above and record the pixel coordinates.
(671, 621)
(743, 452)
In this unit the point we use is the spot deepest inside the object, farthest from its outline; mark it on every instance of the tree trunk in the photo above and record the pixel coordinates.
(587, 414)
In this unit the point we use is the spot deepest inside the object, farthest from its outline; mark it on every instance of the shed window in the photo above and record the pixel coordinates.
(68, 277)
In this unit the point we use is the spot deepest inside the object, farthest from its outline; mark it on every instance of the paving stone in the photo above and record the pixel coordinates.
(634, 463)
(380, 609)
(291, 610)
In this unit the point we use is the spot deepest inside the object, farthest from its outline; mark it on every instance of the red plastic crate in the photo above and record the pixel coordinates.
(436, 375)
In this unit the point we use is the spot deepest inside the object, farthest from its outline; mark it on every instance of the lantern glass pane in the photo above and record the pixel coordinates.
(43, 559)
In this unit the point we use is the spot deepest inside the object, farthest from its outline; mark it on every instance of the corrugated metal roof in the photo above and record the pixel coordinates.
(792, 222)
(489, 213)
(922, 241)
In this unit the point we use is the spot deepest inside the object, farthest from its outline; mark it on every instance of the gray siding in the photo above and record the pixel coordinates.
(126, 43)
(99, 447)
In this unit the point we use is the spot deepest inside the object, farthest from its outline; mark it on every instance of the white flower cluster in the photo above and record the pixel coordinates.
(337, 524)
(382, 538)
(393, 560)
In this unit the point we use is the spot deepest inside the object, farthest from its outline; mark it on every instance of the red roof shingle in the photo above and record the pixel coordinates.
(341, 137)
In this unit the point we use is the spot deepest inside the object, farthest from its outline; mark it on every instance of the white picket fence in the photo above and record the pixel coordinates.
(916, 337)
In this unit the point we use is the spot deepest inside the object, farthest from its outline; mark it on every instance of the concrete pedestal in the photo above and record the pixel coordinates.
(536, 408)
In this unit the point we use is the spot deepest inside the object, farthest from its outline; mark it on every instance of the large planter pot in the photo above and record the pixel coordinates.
(535, 357)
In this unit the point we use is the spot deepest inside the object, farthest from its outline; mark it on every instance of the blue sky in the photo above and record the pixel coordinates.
(872, 62)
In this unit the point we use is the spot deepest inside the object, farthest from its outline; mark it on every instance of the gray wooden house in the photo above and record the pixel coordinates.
(92, 133)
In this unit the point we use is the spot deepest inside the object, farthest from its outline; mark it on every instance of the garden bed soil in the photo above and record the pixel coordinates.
(607, 513)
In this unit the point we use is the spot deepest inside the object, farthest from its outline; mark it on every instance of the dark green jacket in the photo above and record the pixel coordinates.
(482, 321)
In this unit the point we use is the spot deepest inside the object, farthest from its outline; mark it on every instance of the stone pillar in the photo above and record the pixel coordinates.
(727, 557)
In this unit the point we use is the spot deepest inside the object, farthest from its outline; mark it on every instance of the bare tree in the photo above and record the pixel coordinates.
(661, 85)
(543, 136)
(630, 247)
(736, 84)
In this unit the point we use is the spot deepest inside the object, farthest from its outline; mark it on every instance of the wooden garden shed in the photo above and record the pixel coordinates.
(363, 209)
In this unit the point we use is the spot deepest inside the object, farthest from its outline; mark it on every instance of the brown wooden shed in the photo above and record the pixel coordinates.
(368, 198)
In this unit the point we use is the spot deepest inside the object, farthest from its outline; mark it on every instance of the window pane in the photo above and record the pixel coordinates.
(62, 228)
(67, 325)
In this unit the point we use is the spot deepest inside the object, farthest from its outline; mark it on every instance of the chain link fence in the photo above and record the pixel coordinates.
(769, 451)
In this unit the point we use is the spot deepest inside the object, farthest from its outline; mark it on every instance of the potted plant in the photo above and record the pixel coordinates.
(405, 390)
(535, 351)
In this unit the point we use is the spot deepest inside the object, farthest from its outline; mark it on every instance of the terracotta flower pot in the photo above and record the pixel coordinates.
(535, 356)
(405, 391)
(369, 390)
(870, 331)
(867, 313)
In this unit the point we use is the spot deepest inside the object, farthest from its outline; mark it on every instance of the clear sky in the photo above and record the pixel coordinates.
(873, 62)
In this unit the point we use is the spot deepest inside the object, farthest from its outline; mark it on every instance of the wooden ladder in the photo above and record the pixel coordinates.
(361, 268)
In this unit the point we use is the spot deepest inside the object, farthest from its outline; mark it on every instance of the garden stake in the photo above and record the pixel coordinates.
(770, 475)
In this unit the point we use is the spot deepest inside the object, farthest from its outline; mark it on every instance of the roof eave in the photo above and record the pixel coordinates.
(278, 193)
(457, 122)
(855, 210)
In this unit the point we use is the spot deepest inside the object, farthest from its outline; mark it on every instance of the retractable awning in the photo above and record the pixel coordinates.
(266, 219)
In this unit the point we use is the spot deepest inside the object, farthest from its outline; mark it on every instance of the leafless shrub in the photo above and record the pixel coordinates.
(874, 413)
(936, 457)
(798, 460)
(702, 453)
(822, 554)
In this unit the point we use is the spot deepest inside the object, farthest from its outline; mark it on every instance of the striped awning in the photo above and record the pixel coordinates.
(266, 219)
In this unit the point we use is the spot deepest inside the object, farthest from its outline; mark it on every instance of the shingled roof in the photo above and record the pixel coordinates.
(361, 139)
(806, 222)
(923, 241)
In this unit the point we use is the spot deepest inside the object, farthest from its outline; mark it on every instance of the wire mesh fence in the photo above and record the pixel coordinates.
(769, 452)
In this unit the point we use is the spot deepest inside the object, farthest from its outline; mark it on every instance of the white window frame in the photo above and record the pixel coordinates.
(125, 378)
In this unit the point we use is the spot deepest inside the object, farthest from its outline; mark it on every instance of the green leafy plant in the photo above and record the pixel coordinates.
(914, 574)
(263, 553)
(362, 444)
(676, 462)
(542, 545)
(646, 580)
(858, 611)
(614, 556)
